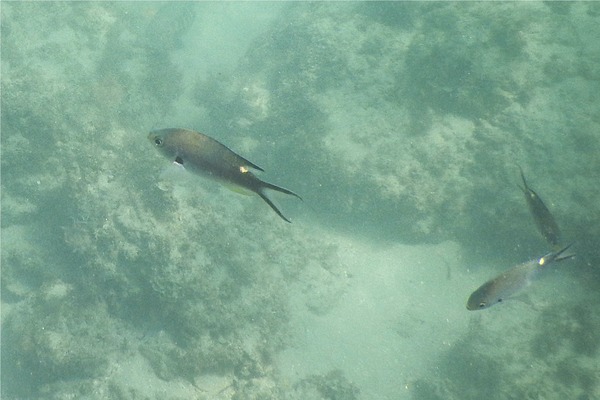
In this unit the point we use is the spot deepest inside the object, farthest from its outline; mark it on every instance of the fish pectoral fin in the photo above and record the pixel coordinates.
(523, 298)
(178, 160)
(171, 175)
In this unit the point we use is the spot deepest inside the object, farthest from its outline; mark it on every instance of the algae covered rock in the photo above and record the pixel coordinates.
(53, 338)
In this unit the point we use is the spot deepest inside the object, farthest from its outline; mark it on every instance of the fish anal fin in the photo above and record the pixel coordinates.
(238, 189)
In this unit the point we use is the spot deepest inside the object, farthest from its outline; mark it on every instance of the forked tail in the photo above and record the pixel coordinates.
(261, 193)
(556, 256)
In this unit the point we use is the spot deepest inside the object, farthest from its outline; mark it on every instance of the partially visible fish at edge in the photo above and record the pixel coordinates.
(544, 220)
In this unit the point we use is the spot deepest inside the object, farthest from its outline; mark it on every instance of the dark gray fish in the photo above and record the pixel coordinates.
(541, 215)
(512, 281)
(204, 155)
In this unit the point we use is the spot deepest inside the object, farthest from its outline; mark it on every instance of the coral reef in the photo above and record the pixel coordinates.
(118, 263)
(428, 123)
(53, 336)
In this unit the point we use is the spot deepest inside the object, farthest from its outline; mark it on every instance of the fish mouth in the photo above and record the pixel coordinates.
(475, 306)
(471, 306)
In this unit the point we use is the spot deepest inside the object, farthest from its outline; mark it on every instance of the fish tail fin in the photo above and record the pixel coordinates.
(525, 187)
(566, 257)
(261, 192)
(266, 185)
(557, 256)
(271, 204)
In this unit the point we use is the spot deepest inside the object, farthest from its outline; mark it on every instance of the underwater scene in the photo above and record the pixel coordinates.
(426, 226)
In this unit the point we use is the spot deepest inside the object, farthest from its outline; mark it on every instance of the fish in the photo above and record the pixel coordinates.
(544, 220)
(203, 155)
(512, 281)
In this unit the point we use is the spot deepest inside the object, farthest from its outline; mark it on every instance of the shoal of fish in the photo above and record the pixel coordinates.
(204, 155)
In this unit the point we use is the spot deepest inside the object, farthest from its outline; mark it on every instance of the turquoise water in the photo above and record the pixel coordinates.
(401, 125)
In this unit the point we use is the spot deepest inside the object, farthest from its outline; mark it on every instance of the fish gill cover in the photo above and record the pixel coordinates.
(399, 123)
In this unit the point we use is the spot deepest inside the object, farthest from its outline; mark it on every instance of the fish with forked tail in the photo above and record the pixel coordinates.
(204, 155)
(512, 281)
(541, 215)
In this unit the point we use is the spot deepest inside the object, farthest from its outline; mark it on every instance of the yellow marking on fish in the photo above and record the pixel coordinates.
(542, 261)
(511, 281)
(204, 155)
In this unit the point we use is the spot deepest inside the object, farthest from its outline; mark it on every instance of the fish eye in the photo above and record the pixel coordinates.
(158, 141)
(481, 305)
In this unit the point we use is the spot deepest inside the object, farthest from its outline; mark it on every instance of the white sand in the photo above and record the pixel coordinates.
(404, 306)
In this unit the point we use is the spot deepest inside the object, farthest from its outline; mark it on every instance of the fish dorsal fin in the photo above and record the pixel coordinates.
(240, 161)
(232, 157)
(229, 155)
(251, 164)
